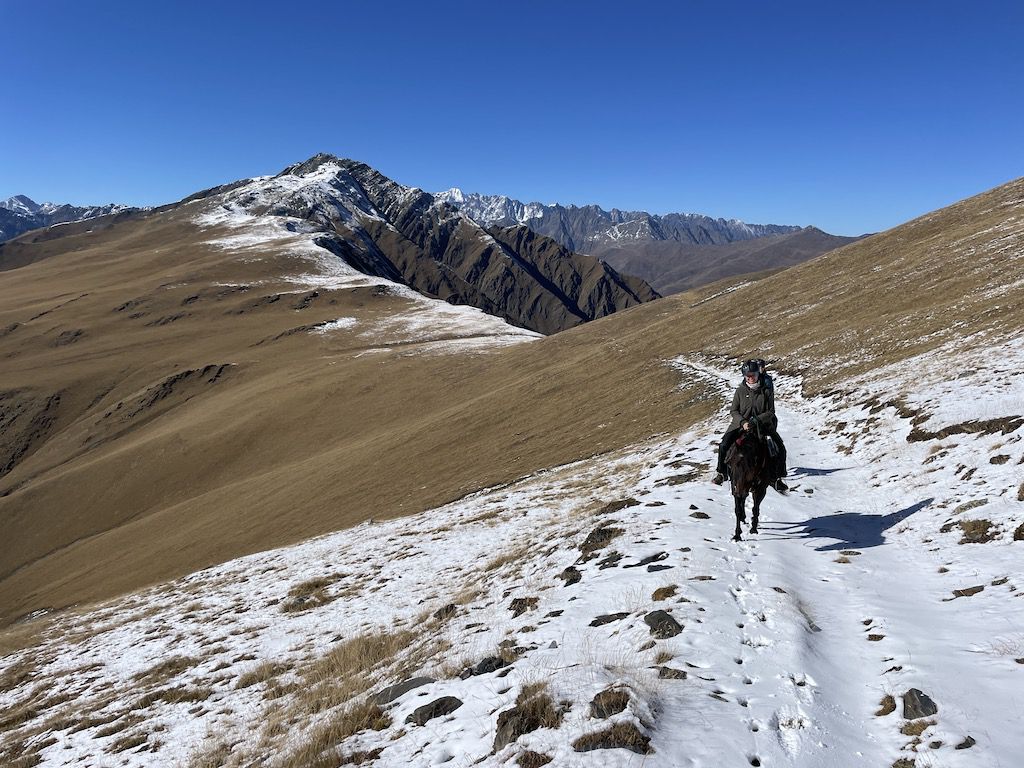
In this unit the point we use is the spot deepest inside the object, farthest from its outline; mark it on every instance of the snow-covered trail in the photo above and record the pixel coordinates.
(830, 612)
(856, 588)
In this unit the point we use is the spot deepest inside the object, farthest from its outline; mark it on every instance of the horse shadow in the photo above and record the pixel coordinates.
(852, 530)
(815, 471)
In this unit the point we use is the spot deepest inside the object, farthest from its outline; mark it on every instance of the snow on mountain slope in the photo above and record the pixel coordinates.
(892, 566)
(436, 325)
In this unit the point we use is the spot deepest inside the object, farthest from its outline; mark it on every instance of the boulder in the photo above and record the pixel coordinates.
(918, 704)
(437, 708)
(662, 624)
(396, 691)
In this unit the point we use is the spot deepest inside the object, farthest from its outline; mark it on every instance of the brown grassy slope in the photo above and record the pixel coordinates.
(303, 435)
(672, 267)
(144, 470)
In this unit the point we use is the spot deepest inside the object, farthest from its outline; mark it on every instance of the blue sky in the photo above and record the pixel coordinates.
(853, 118)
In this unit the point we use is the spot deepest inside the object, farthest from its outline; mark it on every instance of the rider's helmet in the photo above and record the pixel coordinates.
(750, 366)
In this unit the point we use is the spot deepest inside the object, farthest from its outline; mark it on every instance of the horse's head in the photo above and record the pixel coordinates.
(747, 459)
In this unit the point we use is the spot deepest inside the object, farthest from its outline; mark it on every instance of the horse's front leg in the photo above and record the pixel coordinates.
(759, 493)
(740, 516)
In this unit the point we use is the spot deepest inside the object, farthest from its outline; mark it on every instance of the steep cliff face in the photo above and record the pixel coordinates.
(401, 233)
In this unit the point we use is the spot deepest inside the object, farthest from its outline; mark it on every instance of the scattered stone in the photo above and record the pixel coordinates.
(651, 643)
(966, 592)
(917, 704)
(617, 506)
(967, 743)
(668, 673)
(935, 744)
(1002, 458)
(943, 569)
(655, 503)
(1018, 535)
(392, 692)
(531, 711)
(780, 590)
(701, 515)
(552, 645)
(608, 618)
(694, 506)
(446, 612)
(904, 762)
(437, 708)
(702, 578)
(656, 568)
(553, 614)
(886, 706)
(662, 624)
(1000, 582)
(570, 575)
(484, 667)
(531, 759)
(610, 561)
(618, 736)
(875, 638)
(609, 702)
(969, 505)
(647, 560)
(664, 593)
(849, 552)
(977, 531)
(599, 538)
(521, 605)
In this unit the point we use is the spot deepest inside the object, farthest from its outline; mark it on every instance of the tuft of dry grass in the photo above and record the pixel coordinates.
(623, 735)
(664, 593)
(177, 695)
(261, 674)
(886, 706)
(308, 594)
(514, 555)
(916, 727)
(661, 657)
(165, 670)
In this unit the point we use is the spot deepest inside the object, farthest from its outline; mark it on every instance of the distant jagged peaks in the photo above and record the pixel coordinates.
(20, 213)
(583, 228)
(403, 234)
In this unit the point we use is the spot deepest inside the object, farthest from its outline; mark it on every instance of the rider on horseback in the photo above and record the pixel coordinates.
(753, 408)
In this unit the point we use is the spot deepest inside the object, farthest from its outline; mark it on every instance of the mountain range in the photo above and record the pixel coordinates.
(672, 252)
(20, 214)
(263, 504)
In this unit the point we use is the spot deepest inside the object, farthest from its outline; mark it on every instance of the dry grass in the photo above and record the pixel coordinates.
(662, 657)
(309, 594)
(261, 674)
(916, 727)
(315, 751)
(512, 556)
(664, 593)
(886, 706)
(165, 670)
(177, 695)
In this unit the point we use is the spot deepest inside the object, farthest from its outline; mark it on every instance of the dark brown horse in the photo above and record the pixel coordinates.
(750, 469)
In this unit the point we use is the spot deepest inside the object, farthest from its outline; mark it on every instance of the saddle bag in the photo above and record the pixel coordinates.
(773, 449)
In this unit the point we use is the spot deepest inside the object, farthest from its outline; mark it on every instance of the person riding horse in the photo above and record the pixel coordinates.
(753, 408)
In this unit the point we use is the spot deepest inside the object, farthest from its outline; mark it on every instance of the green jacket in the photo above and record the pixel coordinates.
(754, 405)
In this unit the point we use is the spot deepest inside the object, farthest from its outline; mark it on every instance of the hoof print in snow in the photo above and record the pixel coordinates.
(570, 576)
(609, 702)
(917, 704)
(521, 605)
(445, 613)
(701, 515)
(662, 624)
(531, 759)
(437, 708)
(599, 538)
(669, 673)
(648, 560)
(610, 561)
(967, 743)
(608, 618)
(396, 691)
(619, 736)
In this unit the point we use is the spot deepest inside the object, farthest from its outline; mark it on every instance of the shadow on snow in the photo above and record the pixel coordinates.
(852, 530)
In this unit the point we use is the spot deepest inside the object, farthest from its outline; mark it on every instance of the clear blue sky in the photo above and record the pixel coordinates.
(853, 119)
